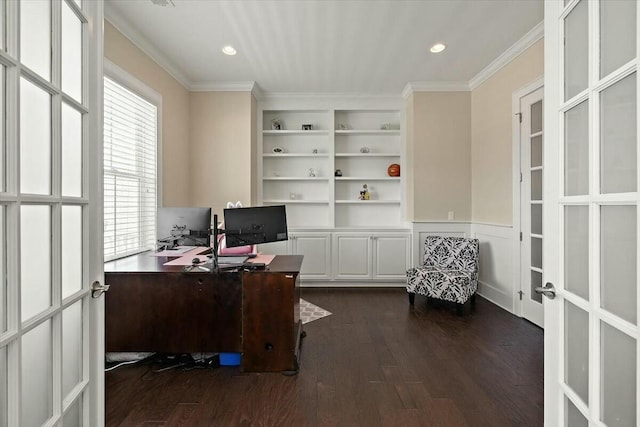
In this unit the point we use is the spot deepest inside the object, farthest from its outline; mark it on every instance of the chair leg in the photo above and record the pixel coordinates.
(412, 298)
(473, 299)
(462, 309)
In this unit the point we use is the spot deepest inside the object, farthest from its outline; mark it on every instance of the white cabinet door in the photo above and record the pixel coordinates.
(392, 256)
(352, 256)
(316, 248)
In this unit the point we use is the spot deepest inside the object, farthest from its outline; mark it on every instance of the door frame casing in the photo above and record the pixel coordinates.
(516, 152)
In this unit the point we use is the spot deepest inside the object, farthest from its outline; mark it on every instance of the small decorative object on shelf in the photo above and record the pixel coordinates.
(276, 174)
(364, 150)
(393, 169)
(293, 196)
(343, 126)
(364, 193)
(307, 127)
(278, 150)
(315, 151)
(390, 126)
(338, 172)
(312, 172)
(276, 124)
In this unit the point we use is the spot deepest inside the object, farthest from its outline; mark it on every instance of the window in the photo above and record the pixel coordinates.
(130, 178)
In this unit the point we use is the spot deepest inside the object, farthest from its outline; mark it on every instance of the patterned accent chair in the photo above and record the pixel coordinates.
(449, 271)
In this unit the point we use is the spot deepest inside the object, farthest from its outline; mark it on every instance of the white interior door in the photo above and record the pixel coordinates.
(531, 203)
(591, 213)
(50, 199)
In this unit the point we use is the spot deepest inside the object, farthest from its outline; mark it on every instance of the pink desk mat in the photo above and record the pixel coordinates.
(187, 259)
(192, 252)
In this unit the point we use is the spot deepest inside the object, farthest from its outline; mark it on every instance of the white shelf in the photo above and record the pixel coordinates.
(367, 178)
(295, 132)
(367, 154)
(295, 155)
(295, 178)
(297, 201)
(363, 202)
(368, 132)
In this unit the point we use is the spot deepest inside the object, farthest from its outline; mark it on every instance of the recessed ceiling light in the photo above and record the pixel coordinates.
(228, 50)
(437, 48)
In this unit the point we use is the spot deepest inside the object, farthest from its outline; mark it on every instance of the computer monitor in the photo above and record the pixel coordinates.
(256, 225)
(183, 226)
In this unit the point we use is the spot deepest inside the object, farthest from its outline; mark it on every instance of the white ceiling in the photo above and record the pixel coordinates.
(316, 46)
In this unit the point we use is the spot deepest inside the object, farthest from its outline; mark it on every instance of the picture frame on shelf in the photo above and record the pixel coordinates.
(307, 127)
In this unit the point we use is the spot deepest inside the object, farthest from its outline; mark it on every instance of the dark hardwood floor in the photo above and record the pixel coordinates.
(375, 362)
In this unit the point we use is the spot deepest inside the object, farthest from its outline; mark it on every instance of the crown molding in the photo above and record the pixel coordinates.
(535, 34)
(330, 95)
(247, 86)
(412, 87)
(124, 26)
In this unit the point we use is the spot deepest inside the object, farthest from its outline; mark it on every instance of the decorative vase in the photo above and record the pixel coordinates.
(393, 169)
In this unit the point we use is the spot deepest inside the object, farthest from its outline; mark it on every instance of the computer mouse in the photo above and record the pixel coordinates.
(195, 261)
(252, 255)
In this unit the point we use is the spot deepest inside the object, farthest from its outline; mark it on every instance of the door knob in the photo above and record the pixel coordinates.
(549, 290)
(98, 289)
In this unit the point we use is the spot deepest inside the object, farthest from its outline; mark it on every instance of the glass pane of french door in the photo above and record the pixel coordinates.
(35, 36)
(598, 119)
(618, 136)
(576, 51)
(617, 34)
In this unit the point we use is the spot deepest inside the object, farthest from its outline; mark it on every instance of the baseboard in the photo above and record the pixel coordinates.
(346, 284)
(495, 296)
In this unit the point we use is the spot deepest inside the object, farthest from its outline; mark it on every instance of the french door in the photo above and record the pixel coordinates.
(591, 214)
(51, 328)
(531, 203)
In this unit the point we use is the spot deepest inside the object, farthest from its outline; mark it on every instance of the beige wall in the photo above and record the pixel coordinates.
(439, 147)
(221, 140)
(491, 142)
(254, 150)
(407, 167)
(175, 112)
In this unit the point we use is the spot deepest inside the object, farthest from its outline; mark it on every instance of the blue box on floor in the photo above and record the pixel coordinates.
(230, 359)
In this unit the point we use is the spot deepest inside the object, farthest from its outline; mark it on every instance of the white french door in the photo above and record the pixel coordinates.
(591, 214)
(531, 203)
(51, 329)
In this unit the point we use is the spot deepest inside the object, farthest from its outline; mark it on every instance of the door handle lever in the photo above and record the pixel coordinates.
(98, 289)
(548, 290)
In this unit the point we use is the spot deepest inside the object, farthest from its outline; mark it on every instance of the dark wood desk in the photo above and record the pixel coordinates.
(157, 308)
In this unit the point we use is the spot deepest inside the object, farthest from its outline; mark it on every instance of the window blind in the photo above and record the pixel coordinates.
(130, 179)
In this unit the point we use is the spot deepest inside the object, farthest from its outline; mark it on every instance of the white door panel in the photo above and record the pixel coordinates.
(591, 213)
(51, 330)
(391, 256)
(316, 248)
(352, 256)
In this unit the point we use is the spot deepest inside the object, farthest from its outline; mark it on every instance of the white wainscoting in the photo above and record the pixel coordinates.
(496, 282)
(424, 229)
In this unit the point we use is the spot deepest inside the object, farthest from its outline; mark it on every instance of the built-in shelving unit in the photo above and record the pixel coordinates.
(342, 237)
(302, 150)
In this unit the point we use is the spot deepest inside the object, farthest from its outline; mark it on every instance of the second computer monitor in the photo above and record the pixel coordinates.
(256, 225)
